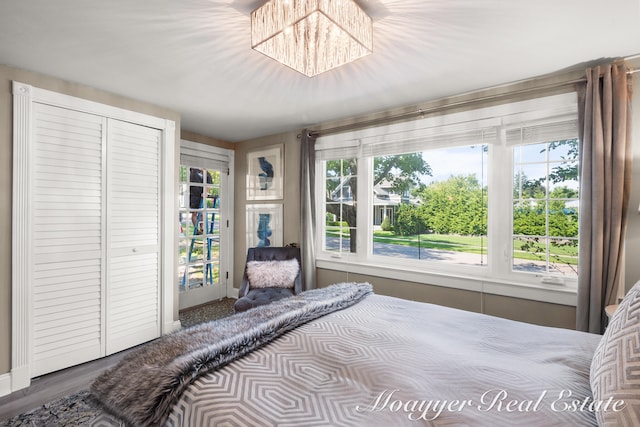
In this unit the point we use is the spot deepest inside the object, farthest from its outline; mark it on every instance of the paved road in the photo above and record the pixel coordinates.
(411, 252)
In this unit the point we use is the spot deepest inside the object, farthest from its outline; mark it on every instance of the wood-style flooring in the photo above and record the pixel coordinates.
(77, 378)
(55, 385)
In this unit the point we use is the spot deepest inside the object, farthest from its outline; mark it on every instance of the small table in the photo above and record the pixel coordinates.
(610, 309)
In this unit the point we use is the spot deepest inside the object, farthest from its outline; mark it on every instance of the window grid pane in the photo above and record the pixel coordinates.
(340, 207)
(545, 208)
(426, 207)
(199, 220)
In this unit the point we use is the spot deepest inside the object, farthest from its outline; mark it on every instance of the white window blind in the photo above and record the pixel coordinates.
(202, 156)
(327, 149)
(535, 133)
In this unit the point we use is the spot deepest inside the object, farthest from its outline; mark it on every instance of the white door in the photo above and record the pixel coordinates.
(133, 235)
(96, 237)
(67, 217)
(203, 226)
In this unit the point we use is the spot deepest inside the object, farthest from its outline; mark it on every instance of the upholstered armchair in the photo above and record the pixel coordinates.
(270, 274)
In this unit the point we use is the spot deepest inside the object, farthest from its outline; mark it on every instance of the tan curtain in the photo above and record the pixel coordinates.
(604, 110)
(308, 209)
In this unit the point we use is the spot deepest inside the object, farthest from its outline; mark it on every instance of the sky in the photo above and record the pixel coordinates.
(467, 160)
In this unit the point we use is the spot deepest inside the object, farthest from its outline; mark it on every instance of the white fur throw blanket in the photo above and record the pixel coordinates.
(143, 387)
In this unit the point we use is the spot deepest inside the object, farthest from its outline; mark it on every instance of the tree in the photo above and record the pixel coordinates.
(401, 171)
(568, 170)
(529, 218)
(455, 206)
(409, 220)
(525, 188)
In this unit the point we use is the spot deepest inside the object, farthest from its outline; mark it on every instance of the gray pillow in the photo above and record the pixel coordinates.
(615, 368)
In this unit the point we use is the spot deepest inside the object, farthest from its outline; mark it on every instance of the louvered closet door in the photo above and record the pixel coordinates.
(133, 291)
(67, 272)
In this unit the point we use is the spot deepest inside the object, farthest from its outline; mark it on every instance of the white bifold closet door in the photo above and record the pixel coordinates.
(133, 226)
(96, 219)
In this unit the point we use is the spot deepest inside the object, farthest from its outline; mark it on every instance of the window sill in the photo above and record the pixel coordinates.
(555, 294)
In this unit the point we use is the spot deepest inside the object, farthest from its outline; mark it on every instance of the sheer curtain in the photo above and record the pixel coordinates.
(308, 206)
(605, 178)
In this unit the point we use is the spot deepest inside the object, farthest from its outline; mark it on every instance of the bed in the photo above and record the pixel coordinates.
(344, 356)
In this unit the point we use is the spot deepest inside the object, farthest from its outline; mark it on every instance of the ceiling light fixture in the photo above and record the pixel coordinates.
(311, 36)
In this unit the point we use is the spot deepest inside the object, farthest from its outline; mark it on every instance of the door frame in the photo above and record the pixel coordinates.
(198, 150)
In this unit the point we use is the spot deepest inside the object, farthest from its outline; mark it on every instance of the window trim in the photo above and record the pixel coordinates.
(497, 276)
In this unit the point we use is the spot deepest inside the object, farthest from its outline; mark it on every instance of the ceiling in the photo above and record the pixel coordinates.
(194, 56)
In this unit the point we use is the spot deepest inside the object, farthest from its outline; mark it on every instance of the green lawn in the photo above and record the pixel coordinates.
(467, 244)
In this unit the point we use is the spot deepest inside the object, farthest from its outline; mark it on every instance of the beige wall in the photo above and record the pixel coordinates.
(7, 75)
(541, 313)
(291, 201)
(194, 137)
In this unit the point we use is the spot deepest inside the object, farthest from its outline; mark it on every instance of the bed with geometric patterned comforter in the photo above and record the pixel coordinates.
(386, 361)
(391, 362)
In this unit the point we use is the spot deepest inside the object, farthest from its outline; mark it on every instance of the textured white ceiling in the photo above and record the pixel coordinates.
(194, 56)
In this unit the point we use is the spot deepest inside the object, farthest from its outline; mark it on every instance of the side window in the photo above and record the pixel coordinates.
(545, 208)
(340, 185)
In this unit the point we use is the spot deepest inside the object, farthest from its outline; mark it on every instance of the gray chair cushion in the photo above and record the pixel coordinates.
(261, 296)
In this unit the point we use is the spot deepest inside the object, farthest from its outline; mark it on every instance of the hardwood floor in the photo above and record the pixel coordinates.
(55, 385)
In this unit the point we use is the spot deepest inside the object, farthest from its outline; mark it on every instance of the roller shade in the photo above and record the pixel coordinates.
(202, 156)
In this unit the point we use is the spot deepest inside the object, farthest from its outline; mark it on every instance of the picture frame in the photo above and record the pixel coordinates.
(264, 225)
(265, 179)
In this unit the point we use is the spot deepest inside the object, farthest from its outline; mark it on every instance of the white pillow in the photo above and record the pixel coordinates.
(272, 274)
(615, 368)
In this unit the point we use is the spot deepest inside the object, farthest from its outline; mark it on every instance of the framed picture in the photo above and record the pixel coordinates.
(264, 225)
(264, 174)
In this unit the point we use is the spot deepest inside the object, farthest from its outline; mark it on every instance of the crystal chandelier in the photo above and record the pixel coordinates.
(311, 36)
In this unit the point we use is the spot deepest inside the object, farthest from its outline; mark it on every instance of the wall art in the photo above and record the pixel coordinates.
(264, 225)
(265, 179)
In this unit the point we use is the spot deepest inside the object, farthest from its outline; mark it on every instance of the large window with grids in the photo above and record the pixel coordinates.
(490, 194)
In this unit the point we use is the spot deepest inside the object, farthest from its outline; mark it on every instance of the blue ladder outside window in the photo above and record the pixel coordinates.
(209, 230)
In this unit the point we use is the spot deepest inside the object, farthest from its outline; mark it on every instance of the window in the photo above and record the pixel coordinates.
(545, 208)
(199, 259)
(490, 195)
(340, 189)
(436, 209)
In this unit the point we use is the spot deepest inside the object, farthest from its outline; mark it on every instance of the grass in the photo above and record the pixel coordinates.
(467, 244)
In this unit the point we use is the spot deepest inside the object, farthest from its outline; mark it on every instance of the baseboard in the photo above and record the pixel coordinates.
(5, 384)
(171, 326)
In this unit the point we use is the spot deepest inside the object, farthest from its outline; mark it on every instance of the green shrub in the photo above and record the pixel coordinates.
(386, 224)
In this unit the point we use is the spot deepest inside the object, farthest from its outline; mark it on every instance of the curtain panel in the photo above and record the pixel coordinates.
(604, 112)
(308, 209)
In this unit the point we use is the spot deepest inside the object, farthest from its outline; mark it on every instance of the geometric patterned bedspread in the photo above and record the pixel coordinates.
(392, 362)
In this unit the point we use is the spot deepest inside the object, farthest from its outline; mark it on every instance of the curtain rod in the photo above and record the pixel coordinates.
(422, 111)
